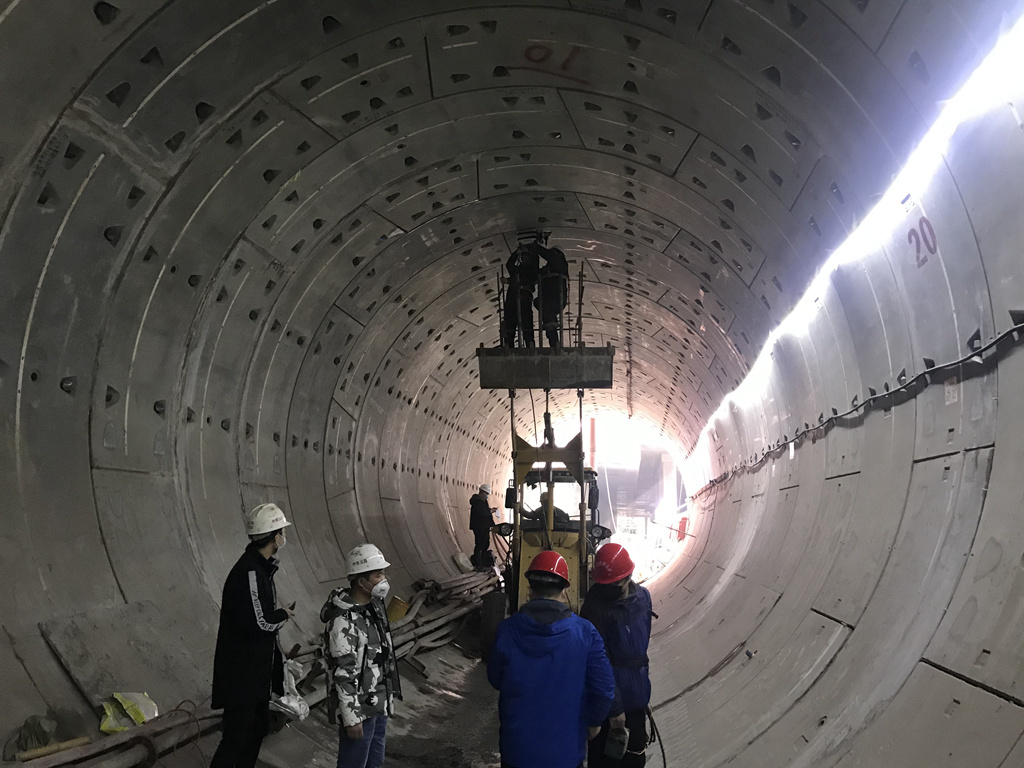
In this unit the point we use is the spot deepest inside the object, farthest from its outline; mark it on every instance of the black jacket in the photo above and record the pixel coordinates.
(480, 517)
(625, 626)
(248, 664)
(524, 266)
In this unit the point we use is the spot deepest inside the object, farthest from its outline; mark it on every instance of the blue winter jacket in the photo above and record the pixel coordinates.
(553, 674)
(625, 626)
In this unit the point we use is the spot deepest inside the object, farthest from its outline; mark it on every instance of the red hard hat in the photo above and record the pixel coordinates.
(549, 562)
(611, 563)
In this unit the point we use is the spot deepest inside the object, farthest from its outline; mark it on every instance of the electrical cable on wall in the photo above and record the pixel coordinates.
(887, 399)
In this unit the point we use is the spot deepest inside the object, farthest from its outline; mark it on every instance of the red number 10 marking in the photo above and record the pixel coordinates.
(923, 235)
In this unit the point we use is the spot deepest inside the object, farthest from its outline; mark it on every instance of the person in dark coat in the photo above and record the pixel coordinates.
(553, 295)
(621, 610)
(523, 268)
(550, 668)
(537, 519)
(481, 519)
(248, 666)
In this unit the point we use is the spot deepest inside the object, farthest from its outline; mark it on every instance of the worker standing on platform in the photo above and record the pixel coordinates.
(551, 670)
(622, 611)
(248, 665)
(523, 268)
(481, 520)
(553, 296)
(363, 672)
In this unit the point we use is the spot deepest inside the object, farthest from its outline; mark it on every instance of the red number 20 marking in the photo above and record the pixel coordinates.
(923, 235)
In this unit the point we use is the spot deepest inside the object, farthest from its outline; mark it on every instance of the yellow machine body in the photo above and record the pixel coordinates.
(565, 543)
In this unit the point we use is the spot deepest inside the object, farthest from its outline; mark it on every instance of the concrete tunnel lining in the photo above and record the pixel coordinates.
(251, 250)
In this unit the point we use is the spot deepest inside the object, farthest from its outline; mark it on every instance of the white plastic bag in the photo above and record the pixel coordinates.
(292, 703)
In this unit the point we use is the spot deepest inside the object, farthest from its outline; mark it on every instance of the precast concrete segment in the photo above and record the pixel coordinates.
(872, 565)
(273, 284)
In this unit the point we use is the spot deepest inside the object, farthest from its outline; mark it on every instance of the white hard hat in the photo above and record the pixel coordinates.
(485, 488)
(366, 557)
(264, 519)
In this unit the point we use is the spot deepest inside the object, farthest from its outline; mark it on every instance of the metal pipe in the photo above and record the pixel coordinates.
(412, 646)
(474, 585)
(454, 580)
(430, 626)
(431, 642)
(172, 720)
(435, 620)
(421, 584)
(52, 749)
(483, 590)
(479, 591)
(460, 589)
(164, 742)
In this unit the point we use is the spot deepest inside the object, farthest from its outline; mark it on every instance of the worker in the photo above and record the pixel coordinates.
(248, 665)
(554, 680)
(523, 268)
(621, 610)
(553, 295)
(481, 519)
(562, 520)
(362, 670)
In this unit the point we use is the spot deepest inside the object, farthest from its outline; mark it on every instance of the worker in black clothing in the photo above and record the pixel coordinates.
(248, 665)
(621, 610)
(553, 295)
(481, 519)
(537, 518)
(523, 268)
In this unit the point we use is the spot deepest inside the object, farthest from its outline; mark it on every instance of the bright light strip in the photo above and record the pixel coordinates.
(989, 86)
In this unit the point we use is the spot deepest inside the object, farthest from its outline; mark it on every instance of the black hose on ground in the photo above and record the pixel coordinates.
(656, 736)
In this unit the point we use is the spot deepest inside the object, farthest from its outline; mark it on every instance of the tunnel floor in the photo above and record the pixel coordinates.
(448, 719)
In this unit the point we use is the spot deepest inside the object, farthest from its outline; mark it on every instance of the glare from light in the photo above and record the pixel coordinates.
(990, 86)
(619, 441)
(619, 437)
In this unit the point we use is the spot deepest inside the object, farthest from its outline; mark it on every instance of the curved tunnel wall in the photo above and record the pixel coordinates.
(250, 250)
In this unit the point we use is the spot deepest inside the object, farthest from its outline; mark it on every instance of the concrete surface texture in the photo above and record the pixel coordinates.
(248, 250)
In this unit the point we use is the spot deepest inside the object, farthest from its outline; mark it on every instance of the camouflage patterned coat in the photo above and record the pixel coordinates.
(360, 658)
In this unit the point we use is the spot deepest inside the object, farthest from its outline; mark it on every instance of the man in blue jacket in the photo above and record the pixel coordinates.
(553, 675)
(621, 610)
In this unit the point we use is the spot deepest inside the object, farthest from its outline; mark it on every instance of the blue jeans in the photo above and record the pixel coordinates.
(367, 752)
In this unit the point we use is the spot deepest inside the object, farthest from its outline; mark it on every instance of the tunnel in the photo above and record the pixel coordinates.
(249, 251)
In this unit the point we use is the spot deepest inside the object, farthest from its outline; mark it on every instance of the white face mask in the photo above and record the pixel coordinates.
(283, 542)
(381, 590)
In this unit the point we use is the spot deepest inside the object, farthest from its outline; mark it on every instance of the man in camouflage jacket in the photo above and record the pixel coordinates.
(363, 674)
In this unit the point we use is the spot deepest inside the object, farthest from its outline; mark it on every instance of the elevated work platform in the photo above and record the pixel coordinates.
(546, 368)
